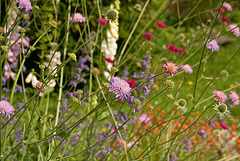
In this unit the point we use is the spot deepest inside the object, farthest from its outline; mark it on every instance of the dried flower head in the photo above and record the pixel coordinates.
(221, 109)
(120, 87)
(6, 108)
(170, 68)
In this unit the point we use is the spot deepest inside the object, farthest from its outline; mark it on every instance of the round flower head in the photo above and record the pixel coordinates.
(120, 87)
(6, 108)
(235, 98)
(219, 96)
(78, 18)
(187, 68)
(227, 6)
(213, 45)
(161, 24)
(148, 35)
(111, 14)
(170, 68)
(25, 4)
(234, 29)
(221, 109)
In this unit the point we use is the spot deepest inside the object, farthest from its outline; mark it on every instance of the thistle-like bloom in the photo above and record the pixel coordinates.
(120, 87)
(224, 126)
(227, 6)
(102, 21)
(234, 29)
(235, 98)
(6, 108)
(144, 118)
(170, 68)
(161, 24)
(213, 45)
(78, 18)
(187, 68)
(219, 96)
(25, 4)
(148, 35)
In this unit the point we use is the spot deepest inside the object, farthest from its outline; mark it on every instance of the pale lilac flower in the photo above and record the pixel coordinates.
(213, 45)
(227, 6)
(25, 42)
(144, 118)
(6, 108)
(219, 96)
(78, 18)
(235, 98)
(234, 29)
(170, 68)
(187, 68)
(130, 144)
(25, 4)
(120, 87)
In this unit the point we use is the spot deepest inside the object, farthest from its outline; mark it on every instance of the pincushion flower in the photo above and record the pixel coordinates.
(25, 4)
(170, 68)
(234, 29)
(144, 118)
(187, 68)
(6, 108)
(78, 18)
(224, 126)
(120, 87)
(227, 6)
(219, 96)
(213, 45)
(102, 21)
(161, 24)
(235, 98)
(148, 35)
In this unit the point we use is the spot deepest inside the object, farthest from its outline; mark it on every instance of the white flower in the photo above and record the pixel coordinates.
(34, 81)
(52, 83)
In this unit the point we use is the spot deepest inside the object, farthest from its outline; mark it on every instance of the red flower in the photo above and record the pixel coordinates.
(221, 10)
(226, 20)
(102, 21)
(161, 24)
(109, 60)
(132, 83)
(148, 35)
(172, 48)
(224, 126)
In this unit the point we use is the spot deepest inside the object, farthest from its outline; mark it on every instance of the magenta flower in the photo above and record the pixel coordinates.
(78, 18)
(102, 21)
(25, 4)
(170, 68)
(224, 126)
(109, 60)
(222, 11)
(227, 6)
(144, 118)
(234, 29)
(120, 87)
(6, 108)
(148, 35)
(219, 96)
(161, 24)
(213, 45)
(226, 20)
(187, 68)
(235, 98)
(171, 48)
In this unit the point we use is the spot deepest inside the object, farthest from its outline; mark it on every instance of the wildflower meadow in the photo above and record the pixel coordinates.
(132, 80)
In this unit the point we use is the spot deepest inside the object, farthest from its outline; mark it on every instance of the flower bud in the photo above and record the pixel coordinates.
(114, 69)
(75, 100)
(4, 48)
(190, 96)
(72, 56)
(170, 96)
(139, 65)
(170, 84)
(22, 30)
(95, 71)
(80, 92)
(182, 36)
(106, 84)
(53, 23)
(26, 17)
(224, 73)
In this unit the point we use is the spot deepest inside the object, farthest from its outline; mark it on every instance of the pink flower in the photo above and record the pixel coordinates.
(39, 86)
(222, 11)
(219, 96)
(170, 68)
(78, 18)
(161, 24)
(144, 118)
(25, 4)
(187, 68)
(227, 6)
(171, 48)
(6, 108)
(213, 45)
(25, 42)
(224, 126)
(120, 87)
(234, 29)
(226, 20)
(102, 21)
(130, 144)
(235, 98)
(109, 60)
(148, 35)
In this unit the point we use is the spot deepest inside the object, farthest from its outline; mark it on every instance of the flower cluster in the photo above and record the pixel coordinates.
(172, 48)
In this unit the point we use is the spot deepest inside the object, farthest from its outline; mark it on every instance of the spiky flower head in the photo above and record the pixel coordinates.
(219, 96)
(120, 87)
(170, 68)
(111, 14)
(182, 102)
(221, 109)
(6, 108)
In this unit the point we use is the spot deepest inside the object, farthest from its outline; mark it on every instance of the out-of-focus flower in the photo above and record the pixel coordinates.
(226, 20)
(213, 45)
(170, 68)
(32, 78)
(39, 86)
(25, 4)
(223, 125)
(171, 48)
(221, 10)
(148, 35)
(78, 18)
(227, 6)
(161, 24)
(109, 60)
(144, 118)
(103, 21)
(219, 96)
(187, 68)
(234, 29)
(120, 87)
(6, 108)
(131, 83)
(235, 98)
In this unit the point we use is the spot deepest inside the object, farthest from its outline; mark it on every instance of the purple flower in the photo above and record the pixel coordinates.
(25, 4)
(78, 18)
(6, 108)
(213, 45)
(120, 87)
(187, 145)
(202, 133)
